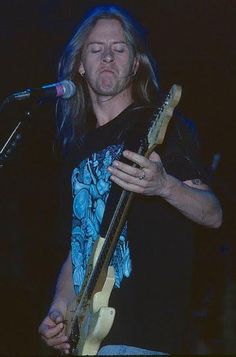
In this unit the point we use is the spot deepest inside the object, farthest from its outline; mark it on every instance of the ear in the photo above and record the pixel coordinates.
(135, 65)
(81, 69)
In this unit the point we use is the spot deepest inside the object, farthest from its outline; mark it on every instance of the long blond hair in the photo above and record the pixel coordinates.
(71, 113)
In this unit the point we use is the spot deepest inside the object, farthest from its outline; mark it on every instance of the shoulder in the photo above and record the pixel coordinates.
(182, 133)
(186, 127)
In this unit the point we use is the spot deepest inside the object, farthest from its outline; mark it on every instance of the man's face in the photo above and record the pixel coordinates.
(107, 60)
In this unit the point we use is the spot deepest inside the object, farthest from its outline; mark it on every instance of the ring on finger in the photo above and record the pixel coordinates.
(142, 175)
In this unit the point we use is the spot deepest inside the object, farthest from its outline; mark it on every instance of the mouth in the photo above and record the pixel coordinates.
(106, 71)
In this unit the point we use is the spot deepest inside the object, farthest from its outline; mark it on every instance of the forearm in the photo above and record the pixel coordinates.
(64, 292)
(52, 328)
(198, 203)
(195, 201)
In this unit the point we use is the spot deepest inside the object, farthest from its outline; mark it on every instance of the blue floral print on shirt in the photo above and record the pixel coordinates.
(90, 190)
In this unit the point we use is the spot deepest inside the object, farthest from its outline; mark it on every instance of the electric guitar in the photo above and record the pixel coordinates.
(89, 318)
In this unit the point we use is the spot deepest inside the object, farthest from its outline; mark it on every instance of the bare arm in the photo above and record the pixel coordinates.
(193, 199)
(64, 292)
(52, 328)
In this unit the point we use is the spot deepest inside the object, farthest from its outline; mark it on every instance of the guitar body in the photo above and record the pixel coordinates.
(90, 320)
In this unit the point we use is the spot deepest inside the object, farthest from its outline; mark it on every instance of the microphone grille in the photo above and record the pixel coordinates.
(69, 89)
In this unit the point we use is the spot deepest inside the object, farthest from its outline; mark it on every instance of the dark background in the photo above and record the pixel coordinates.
(194, 45)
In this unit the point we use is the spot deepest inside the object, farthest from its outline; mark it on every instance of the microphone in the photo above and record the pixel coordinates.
(65, 90)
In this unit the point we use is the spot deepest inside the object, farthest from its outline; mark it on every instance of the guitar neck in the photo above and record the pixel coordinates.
(156, 133)
(111, 238)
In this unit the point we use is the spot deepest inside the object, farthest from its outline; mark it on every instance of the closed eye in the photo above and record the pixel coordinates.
(119, 50)
(96, 50)
(119, 47)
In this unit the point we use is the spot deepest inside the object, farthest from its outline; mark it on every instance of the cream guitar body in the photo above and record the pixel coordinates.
(90, 320)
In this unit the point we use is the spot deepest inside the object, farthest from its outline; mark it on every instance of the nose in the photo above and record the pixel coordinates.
(107, 56)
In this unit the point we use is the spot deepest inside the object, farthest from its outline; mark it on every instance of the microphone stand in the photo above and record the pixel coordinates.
(14, 138)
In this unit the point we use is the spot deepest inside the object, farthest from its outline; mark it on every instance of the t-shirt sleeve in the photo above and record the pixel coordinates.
(180, 152)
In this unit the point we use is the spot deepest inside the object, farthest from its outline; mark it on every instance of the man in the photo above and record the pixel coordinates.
(117, 93)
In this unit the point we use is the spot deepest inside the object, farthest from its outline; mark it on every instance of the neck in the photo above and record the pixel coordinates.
(107, 108)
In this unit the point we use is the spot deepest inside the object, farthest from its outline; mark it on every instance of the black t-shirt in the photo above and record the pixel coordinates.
(152, 304)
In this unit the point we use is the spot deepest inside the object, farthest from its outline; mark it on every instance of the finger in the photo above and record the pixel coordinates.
(56, 316)
(154, 157)
(124, 171)
(64, 347)
(58, 343)
(136, 158)
(51, 331)
(129, 186)
(46, 324)
(61, 333)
